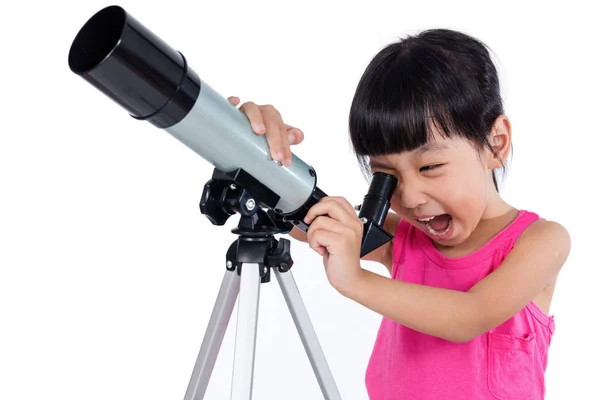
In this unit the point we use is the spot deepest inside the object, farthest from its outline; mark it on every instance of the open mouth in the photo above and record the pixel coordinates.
(437, 225)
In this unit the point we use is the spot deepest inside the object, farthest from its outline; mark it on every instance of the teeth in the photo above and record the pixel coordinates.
(434, 232)
(425, 219)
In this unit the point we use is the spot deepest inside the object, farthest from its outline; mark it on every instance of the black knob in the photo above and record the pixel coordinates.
(281, 256)
(212, 202)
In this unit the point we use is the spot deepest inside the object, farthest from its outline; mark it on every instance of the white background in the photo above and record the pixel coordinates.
(108, 271)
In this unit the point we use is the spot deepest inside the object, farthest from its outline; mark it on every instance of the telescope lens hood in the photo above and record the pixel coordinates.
(131, 65)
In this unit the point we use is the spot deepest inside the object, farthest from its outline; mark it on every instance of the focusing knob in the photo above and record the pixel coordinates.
(280, 256)
(212, 202)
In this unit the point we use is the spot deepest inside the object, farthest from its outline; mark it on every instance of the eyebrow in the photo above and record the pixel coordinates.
(427, 147)
(431, 147)
(379, 164)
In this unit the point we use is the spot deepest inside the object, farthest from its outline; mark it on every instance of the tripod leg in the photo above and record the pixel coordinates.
(215, 332)
(307, 334)
(245, 339)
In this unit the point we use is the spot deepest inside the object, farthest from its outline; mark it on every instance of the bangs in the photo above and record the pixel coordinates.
(405, 95)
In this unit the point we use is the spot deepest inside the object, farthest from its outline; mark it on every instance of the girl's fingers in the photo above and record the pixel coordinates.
(320, 240)
(335, 207)
(324, 223)
(267, 120)
(234, 100)
(344, 203)
(285, 145)
(295, 135)
(274, 135)
(255, 117)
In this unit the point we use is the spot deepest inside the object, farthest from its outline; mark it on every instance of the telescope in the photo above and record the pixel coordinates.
(153, 82)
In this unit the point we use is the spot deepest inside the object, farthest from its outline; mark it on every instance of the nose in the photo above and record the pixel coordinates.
(411, 196)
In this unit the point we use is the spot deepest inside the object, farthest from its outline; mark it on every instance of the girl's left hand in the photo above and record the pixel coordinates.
(335, 232)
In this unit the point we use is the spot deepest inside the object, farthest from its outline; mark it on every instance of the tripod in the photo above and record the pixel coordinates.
(249, 262)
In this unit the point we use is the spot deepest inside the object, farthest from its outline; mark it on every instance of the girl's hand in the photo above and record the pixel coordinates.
(266, 120)
(335, 233)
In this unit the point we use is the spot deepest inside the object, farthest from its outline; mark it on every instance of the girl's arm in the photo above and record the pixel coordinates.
(532, 264)
(382, 255)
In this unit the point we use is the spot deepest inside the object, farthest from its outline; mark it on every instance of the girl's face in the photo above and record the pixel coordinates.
(444, 187)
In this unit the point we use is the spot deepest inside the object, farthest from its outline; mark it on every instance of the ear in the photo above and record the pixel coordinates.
(500, 139)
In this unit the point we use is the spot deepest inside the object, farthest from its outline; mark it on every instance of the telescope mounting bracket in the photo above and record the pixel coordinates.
(228, 193)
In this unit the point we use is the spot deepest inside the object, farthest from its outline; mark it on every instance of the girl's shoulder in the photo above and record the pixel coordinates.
(546, 235)
(532, 230)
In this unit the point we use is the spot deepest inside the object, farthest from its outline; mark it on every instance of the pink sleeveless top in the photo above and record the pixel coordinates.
(508, 362)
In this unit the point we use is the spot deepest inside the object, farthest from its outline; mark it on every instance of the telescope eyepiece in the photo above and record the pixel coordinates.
(376, 202)
(383, 185)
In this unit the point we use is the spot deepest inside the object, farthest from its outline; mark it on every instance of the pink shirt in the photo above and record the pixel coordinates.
(507, 362)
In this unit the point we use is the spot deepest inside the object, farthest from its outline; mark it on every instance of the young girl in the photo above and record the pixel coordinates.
(466, 308)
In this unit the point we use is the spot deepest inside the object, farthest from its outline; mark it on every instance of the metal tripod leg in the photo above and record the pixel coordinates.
(307, 334)
(245, 336)
(248, 288)
(213, 338)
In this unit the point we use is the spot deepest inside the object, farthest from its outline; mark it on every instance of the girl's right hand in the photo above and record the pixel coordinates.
(266, 120)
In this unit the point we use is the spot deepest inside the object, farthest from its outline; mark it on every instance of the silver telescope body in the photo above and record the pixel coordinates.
(144, 75)
(153, 82)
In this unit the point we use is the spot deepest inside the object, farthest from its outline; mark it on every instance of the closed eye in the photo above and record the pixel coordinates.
(430, 167)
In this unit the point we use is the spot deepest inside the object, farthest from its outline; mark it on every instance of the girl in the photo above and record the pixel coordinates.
(466, 307)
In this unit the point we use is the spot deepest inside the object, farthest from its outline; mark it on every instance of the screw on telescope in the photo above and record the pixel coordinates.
(250, 204)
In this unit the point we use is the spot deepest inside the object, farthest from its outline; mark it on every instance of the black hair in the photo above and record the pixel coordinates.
(440, 76)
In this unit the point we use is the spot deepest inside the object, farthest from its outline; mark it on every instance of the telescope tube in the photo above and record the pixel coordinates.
(153, 82)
